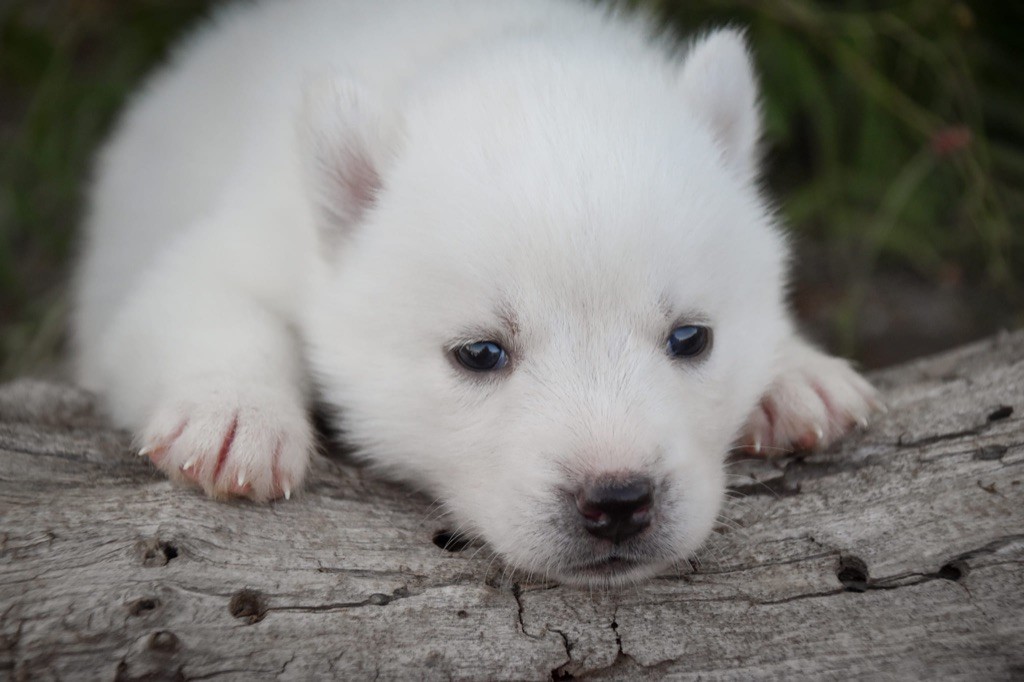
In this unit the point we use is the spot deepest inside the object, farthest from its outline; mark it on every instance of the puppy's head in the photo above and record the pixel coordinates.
(551, 296)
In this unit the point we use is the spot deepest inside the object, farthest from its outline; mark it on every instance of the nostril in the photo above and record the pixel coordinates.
(590, 511)
(616, 510)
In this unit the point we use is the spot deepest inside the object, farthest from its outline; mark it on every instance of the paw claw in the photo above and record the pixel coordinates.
(813, 401)
(232, 443)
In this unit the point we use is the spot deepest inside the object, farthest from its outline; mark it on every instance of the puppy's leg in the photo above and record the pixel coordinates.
(814, 399)
(201, 362)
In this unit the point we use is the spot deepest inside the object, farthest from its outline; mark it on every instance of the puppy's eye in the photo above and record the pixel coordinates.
(688, 341)
(481, 356)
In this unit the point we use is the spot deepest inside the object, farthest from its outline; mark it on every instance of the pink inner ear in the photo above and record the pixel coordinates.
(355, 183)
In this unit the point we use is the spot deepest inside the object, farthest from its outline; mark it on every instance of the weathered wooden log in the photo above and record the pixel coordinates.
(900, 552)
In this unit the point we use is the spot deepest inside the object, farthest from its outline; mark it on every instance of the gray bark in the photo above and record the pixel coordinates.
(899, 553)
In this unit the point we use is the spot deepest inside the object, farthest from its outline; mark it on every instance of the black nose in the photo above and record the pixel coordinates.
(616, 510)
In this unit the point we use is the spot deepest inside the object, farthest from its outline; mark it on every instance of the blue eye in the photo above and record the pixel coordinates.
(688, 341)
(481, 356)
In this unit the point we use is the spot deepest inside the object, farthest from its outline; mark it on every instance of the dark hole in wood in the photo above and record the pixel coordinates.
(558, 674)
(378, 599)
(247, 605)
(449, 541)
(155, 552)
(853, 574)
(140, 606)
(1001, 412)
(954, 570)
(164, 641)
(462, 614)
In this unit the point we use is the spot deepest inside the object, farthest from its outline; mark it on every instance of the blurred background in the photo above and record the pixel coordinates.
(894, 148)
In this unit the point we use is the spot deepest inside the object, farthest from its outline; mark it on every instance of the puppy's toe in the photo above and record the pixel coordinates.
(810, 405)
(231, 444)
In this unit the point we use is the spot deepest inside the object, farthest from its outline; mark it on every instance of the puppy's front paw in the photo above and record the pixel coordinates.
(248, 443)
(814, 401)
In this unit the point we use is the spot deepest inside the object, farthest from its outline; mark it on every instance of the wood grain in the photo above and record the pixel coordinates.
(899, 554)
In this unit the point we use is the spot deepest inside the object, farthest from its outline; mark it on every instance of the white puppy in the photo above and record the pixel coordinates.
(518, 246)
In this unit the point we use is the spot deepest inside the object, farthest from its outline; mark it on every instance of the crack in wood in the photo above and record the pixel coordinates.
(70, 580)
(375, 599)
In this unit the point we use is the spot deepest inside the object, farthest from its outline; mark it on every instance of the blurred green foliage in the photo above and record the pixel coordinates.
(894, 138)
(895, 133)
(65, 70)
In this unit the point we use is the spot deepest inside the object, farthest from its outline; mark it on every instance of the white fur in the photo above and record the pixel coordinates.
(339, 193)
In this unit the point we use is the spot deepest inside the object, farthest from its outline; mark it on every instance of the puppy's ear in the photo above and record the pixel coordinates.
(719, 85)
(347, 143)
